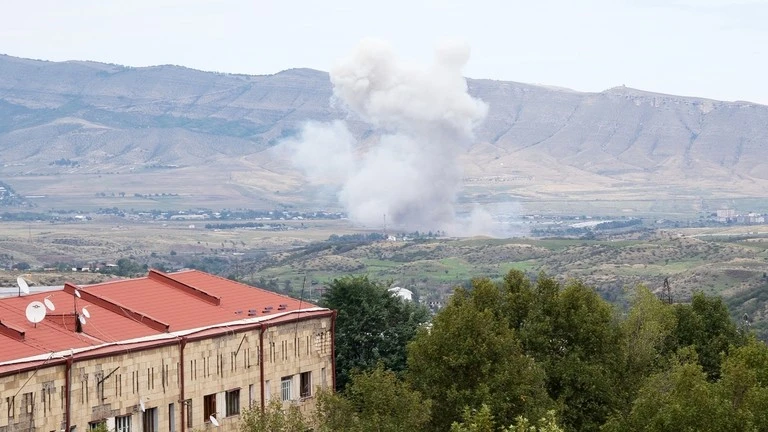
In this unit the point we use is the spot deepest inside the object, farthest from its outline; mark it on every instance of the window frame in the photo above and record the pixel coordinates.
(149, 420)
(126, 423)
(286, 384)
(209, 407)
(305, 385)
(188, 413)
(232, 402)
(96, 424)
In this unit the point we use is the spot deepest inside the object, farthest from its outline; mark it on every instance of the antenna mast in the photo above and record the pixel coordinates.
(667, 291)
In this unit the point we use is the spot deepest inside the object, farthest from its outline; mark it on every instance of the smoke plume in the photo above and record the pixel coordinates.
(425, 119)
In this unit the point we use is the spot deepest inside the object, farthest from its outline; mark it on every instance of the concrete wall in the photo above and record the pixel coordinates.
(105, 388)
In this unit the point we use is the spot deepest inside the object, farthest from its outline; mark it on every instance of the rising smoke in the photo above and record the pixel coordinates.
(425, 119)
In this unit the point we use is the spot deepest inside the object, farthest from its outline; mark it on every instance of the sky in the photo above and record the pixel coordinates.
(707, 48)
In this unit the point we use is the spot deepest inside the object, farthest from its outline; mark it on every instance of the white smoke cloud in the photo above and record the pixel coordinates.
(323, 151)
(425, 119)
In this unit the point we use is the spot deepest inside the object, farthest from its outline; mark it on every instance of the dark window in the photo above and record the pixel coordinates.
(305, 383)
(233, 402)
(149, 420)
(209, 406)
(171, 417)
(188, 411)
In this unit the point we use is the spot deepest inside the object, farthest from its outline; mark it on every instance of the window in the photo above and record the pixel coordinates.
(123, 424)
(251, 394)
(171, 417)
(149, 420)
(233, 402)
(285, 388)
(96, 425)
(305, 384)
(188, 411)
(10, 402)
(209, 406)
(322, 377)
(29, 404)
(267, 391)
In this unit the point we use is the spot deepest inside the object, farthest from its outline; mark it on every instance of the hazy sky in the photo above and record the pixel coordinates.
(708, 48)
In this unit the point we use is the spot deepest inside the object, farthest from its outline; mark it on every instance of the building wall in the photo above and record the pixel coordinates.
(105, 388)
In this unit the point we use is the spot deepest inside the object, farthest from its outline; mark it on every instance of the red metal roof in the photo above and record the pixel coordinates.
(136, 308)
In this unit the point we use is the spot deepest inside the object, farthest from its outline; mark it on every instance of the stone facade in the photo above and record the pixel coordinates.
(144, 386)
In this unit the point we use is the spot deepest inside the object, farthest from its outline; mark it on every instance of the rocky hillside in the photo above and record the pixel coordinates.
(64, 124)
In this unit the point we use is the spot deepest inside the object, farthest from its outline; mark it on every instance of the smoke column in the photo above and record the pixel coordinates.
(425, 119)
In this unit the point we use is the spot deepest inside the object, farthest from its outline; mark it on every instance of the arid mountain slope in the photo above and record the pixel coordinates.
(183, 131)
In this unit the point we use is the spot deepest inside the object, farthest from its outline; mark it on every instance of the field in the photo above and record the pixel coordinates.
(300, 260)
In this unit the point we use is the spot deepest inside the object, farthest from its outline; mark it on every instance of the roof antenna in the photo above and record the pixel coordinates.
(35, 312)
(49, 303)
(23, 287)
(80, 319)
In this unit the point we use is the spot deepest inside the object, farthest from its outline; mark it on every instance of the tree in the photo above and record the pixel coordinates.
(679, 399)
(375, 400)
(744, 384)
(648, 339)
(544, 424)
(373, 326)
(273, 419)
(472, 357)
(482, 421)
(21, 265)
(706, 325)
(576, 336)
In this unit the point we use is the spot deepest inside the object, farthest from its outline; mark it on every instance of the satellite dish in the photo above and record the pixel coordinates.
(141, 404)
(86, 313)
(22, 285)
(77, 293)
(214, 421)
(82, 319)
(35, 312)
(49, 304)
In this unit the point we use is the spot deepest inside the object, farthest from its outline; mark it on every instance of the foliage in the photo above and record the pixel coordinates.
(482, 421)
(501, 353)
(679, 399)
(101, 427)
(275, 418)
(475, 421)
(472, 357)
(373, 326)
(375, 400)
(648, 338)
(706, 325)
(576, 337)
(745, 384)
(126, 267)
(547, 423)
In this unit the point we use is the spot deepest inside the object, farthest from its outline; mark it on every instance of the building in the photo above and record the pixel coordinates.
(166, 352)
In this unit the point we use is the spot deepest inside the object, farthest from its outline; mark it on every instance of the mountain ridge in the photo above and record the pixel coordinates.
(618, 144)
